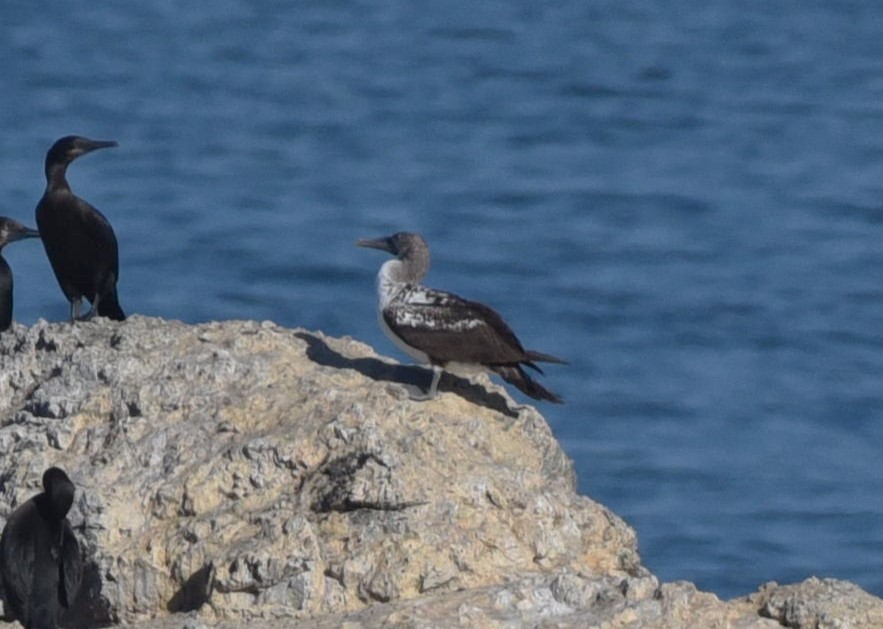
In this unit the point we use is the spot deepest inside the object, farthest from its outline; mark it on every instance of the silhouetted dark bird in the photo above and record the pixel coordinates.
(40, 561)
(79, 240)
(444, 330)
(10, 231)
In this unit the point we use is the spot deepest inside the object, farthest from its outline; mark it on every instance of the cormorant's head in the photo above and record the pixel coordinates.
(11, 230)
(70, 147)
(60, 490)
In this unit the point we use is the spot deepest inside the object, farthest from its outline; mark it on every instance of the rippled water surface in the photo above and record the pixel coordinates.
(684, 199)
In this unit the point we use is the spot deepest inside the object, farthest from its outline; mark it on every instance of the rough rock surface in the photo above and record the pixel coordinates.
(819, 604)
(243, 474)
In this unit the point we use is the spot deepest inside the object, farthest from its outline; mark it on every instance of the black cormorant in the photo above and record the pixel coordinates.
(79, 240)
(444, 330)
(10, 231)
(40, 561)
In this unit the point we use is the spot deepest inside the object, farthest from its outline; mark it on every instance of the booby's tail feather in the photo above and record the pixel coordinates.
(515, 375)
(544, 358)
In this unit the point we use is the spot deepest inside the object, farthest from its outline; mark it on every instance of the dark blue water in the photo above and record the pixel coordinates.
(683, 198)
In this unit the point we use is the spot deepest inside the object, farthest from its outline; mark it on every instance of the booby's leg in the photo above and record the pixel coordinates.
(433, 387)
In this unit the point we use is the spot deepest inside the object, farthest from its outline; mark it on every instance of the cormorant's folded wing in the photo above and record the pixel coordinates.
(71, 567)
(17, 558)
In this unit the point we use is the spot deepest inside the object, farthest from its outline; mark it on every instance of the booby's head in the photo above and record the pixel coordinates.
(11, 230)
(69, 148)
(60, 490)
(409, 248)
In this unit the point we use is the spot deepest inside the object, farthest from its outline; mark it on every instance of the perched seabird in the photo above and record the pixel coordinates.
(40, 562)
(79, 240)
(10, 231)
(444, 330)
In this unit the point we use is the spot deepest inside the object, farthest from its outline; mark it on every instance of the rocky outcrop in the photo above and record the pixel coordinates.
(819, 604)
(242, 473)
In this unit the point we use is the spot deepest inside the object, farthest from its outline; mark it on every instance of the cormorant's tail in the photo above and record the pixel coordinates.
(109, 306)
(514, 374)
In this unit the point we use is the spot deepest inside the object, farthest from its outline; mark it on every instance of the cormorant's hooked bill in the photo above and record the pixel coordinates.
(442, 329)
(10, 231)
(67, 149)
(40, 562)
(79, 241)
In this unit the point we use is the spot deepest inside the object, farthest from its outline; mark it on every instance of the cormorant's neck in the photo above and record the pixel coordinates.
(55, 175)
(44, 506)
(54, 506)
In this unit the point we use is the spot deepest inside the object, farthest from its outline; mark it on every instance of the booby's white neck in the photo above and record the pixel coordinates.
(390, 282)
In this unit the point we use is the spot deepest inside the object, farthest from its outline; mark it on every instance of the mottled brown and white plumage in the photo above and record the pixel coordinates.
(444, 330)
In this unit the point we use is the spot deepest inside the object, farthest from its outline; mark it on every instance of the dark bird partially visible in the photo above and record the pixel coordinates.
(10, 231)
(444, 330)
(79, 241)
(40, 562)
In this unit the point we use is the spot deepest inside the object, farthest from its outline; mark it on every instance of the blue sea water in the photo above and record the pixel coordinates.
(682, 198)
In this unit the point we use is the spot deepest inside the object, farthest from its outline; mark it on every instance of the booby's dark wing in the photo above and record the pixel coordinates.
(71, 567)
(449, 328)
(17, 558)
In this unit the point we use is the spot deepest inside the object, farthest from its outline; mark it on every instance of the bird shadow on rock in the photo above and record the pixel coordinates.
(90, 609)
(195, 592)
(410, 376)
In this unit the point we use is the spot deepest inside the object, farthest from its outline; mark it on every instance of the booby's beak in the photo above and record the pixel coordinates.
(384, 244)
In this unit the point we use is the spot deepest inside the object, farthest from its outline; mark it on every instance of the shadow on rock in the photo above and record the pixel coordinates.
(319, 352)
(90, 609)
(195, 592)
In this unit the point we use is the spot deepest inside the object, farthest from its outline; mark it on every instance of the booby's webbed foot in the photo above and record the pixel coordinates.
(420, 396)
(405, 391)
(416, 393)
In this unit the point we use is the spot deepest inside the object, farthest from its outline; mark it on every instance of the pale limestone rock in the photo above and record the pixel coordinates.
(240, 474)
(549, 601)
(278, 473)
(819, 604)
